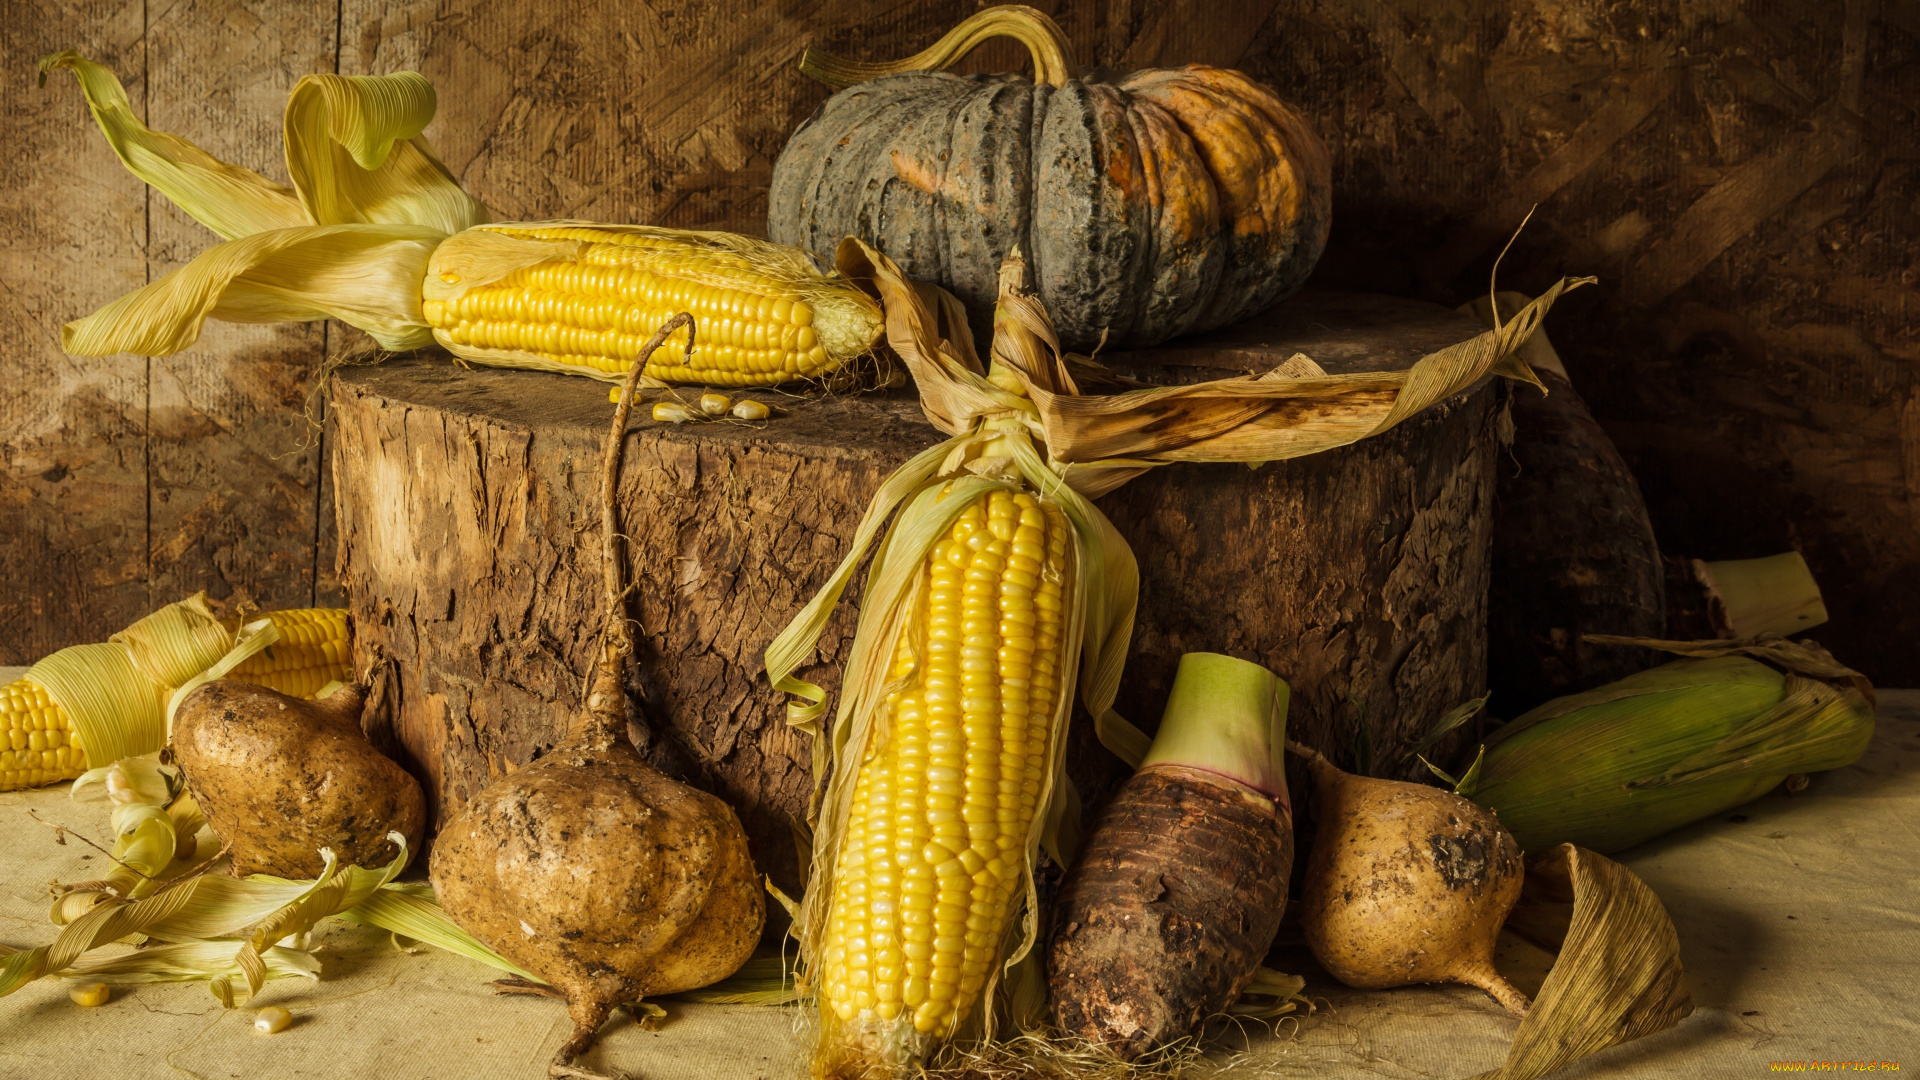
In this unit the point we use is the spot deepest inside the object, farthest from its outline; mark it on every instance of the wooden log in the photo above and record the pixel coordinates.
(1573, 554)
(466, 503)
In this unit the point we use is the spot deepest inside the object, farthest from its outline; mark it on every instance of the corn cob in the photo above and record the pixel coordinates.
(312, 652)
(1687, 740)
(942, 807)
(762, 314)
(39, 744)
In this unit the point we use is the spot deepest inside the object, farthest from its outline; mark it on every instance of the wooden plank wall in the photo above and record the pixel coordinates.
(1742, 175)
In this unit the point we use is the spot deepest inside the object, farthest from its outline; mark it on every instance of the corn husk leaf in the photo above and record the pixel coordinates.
(364, 275)
(244, 908)
(103, 925)
(177, 642)
(767, 978)
(139, 779)
(232, 201)
(1271, 995)
(1660, 749)
(333, 892)
(349, 241)
(1453, 720)
(412, 911)
(356, 155)
(249, 641)
(1241, 419)
(148, 815)
(118, 712)
(1750, 597)
(190, 962)
(1618, 975)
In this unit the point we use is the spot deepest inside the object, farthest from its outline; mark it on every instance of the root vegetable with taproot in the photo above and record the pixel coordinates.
(1406, 884)
(590, 868)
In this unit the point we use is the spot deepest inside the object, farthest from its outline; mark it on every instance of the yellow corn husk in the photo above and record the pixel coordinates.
(377, 233)
(1655, 751)
(1617, 976)
(244, 916)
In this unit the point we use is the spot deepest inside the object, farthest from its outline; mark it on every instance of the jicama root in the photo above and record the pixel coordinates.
(281, 777)
(592, 869)
(1406, 884)
(1178, 892)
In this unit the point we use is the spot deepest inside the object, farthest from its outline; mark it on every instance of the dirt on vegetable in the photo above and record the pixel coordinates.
(281, 777)
(1406, 884)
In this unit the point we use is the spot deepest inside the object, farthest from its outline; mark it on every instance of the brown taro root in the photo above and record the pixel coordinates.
(281, 777)
(1178, 892)
(1406, 884)
(592, 869)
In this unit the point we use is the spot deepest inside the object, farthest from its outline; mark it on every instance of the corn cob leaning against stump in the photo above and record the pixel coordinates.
(377, 233)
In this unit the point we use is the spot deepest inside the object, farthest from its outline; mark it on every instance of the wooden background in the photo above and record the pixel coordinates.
(1742, 176)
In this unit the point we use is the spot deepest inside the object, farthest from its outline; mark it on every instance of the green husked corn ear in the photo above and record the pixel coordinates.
(1664, 748)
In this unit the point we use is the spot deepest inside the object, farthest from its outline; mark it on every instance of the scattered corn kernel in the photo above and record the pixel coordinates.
(750, 410)
(272, 1020)
(88, 995)
(715, 404)
(671, 412)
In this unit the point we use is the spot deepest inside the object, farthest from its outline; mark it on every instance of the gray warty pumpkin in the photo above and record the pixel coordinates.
(1149, 205)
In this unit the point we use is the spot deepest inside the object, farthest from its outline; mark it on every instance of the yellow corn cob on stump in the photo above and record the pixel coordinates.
(39, 746)
(935, 844)
(760, 317)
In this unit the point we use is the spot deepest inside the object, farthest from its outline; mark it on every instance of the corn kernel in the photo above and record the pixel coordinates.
(90, 994)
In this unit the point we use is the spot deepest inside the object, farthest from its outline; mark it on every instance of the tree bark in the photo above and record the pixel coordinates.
(467, 499)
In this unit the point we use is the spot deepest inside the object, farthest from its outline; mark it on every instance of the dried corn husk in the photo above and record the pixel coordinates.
(1618, 974)
(205, 926)
(1655, 751)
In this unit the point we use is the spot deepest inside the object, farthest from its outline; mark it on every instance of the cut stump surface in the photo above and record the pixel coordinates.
(468, 544)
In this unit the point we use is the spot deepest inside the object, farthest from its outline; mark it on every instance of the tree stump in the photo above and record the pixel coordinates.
(467, 505)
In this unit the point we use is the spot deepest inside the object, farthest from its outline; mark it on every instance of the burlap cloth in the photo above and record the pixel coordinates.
(1799, 919)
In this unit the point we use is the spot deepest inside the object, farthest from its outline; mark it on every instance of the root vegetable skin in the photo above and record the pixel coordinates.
(1406, 884)
(280, 777)
(1169, 909)
(604, 877)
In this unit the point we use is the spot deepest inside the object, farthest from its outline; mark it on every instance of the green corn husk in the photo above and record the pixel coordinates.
(1664, 748)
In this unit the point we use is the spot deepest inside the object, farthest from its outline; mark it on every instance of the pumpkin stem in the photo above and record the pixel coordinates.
(1052, 56)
